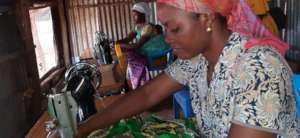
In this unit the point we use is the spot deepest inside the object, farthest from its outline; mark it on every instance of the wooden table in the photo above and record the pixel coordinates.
(108, 83)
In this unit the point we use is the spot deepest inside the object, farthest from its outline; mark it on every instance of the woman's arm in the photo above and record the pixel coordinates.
(263, 103)
(136, 45)
(147, 32)
(133, 103)
(128, 38)
(237, 131)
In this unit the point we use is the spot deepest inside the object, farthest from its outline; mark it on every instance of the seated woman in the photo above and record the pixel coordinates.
(137, 72)
(240, 83)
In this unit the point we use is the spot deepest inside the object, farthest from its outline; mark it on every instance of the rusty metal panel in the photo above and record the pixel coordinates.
(293, 28)
(113, 17)
(293, 23)
(109, 11)
(292, 32)
(72, 33)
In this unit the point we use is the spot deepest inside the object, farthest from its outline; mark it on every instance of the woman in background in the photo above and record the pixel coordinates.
(136, 71)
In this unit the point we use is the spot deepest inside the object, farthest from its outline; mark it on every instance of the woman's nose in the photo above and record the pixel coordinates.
(169, 38)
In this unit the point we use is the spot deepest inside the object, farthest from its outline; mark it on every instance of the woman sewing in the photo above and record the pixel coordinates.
(137, 72)
(239, 82)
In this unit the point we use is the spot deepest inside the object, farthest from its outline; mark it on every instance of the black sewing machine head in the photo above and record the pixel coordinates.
(82, 79)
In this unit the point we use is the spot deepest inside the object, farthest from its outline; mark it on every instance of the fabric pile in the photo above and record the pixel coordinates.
(152, 126)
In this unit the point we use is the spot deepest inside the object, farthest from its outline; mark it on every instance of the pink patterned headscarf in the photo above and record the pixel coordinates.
(240, 18)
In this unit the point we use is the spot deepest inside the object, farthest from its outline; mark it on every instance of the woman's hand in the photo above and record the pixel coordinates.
(127, 47)
(146, 96)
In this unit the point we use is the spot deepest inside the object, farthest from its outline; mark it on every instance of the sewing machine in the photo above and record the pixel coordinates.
(62, 108)
(73, 103)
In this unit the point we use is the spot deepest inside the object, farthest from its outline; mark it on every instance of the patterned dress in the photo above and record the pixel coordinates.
(137, 71)
(251, 88)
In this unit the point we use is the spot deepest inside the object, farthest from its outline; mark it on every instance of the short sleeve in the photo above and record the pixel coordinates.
(176, 72)
(263, 92)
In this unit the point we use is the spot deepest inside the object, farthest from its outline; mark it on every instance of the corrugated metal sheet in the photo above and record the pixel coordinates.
(293, 28)
(113, 17)
(292, 32)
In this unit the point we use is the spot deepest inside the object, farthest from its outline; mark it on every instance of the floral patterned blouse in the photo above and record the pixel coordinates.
(251, 88)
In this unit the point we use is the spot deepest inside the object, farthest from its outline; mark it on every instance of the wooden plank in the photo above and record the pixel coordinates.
(110, 10)
(130, 16)
(124, 26)
(73, 23)
(127, 12)
(93, 24)
(84, 25)
(101, 11)
(64, 33)
(115, 21)
(105, 18)
(58, 34)
(119, 21)
(94, 12)
(80, 37)
(102, 4)
(39, 130)
(69, 18)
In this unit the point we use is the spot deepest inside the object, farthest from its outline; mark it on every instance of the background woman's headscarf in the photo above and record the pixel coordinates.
(240, 18)
(142, 7)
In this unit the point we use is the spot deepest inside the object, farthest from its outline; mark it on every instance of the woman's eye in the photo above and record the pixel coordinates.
(175, 30)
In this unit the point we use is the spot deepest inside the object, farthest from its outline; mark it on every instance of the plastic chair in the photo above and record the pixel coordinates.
(157, 62)
(181, 100)
(296, 85)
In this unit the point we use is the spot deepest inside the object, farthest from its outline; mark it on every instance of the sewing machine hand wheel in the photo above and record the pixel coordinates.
(86, 69)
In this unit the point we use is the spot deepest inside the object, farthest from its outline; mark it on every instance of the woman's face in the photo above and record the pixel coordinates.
(186, 33)
(138, 17)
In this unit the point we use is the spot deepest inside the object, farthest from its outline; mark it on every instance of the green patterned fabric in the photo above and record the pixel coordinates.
(153, 127)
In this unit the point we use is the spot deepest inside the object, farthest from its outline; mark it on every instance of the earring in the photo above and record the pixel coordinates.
(208, 29)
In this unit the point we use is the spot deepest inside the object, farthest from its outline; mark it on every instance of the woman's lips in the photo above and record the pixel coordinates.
(176, 49)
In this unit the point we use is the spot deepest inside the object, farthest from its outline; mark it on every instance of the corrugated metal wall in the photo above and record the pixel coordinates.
(85, 17)
(292, 32)
(113, 17)
(293, 28)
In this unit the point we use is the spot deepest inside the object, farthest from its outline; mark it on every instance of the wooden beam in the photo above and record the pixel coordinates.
(64, 32)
